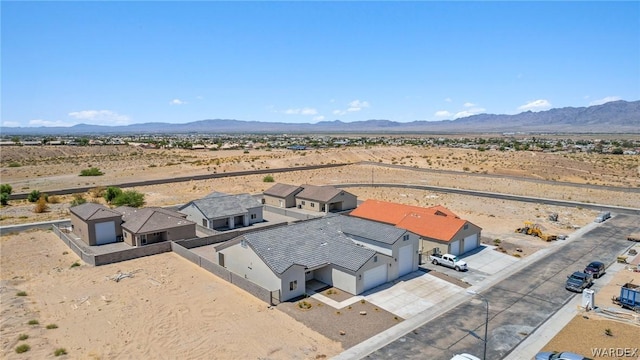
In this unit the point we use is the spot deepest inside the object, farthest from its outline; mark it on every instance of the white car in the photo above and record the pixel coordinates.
(465, 357)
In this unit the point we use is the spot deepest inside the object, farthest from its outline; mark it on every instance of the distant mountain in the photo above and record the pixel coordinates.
(612, 117)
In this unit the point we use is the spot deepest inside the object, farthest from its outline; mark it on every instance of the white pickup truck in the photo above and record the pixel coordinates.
(448, 260)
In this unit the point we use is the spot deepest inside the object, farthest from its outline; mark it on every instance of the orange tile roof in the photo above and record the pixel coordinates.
(435, 222)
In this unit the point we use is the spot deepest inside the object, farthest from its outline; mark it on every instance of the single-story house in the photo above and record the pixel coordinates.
(349, 253)
(152, 225)
(221, 211)
(437, 226)
(96, 224)
(281, 195)
(325, 199)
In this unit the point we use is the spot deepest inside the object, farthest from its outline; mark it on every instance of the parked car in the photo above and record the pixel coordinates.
(603, 216)
(560, 356)
(596, 269)
(578, 281)
(464, 357)
(448, 260)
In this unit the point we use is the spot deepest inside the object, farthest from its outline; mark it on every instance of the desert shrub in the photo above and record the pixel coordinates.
(268, 178)
(52, 326)
(23, 348)
(33, 322)
(21, 293)
(78, 199)
(53, 199)
(60, 351)
(41, 205)
(4, 198)
(23, 337)
(14, 164)
(111, 193)
(6, 189)
(75, 264)
(97, 192)
(94, 171)
(33, 196)
(129, 198)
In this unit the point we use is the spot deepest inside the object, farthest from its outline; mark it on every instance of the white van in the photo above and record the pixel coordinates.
(603, 216)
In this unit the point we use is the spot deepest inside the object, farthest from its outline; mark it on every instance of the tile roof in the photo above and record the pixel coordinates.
(435, 222)
(310, 244)
(219, 205)
(152, 219)
(318, 193)
(92, 211)
(282, 190)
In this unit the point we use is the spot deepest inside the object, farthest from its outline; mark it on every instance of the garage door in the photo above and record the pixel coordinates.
(454, 248)
(105, 233)
(374, 277)
(405, 260)
(470, 242)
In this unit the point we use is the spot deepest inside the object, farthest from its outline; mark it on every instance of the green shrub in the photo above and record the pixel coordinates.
(129, 198)
(60, 351)
(21, 293)
(52, 326)
(111, 193)
(78, 199)
(94, 171)
(33, 196)
(75, 264)
(4, 199)
(268, 178)
(23, 337)
(14, 164)
(23, 348)
(6, 189)
(33, 322)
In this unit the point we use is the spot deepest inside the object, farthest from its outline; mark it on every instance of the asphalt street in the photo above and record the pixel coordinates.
(517, 305)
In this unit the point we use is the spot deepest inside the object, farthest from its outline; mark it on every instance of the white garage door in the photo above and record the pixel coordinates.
(374, 277)
(405, 260)
(470, 242)
(105, 232)
(454, 248)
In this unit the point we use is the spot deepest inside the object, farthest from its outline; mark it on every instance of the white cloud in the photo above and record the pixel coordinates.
(469, 112)
(177, 102)
(303, 111)
(199, 97)
(100, 117)
(40, 122)
(448, 100)
(468, 104)
(535, 105)
(339, 112)
(357, 105)
(10, 123)
(442, 113)
(318, 118)
(604, 100)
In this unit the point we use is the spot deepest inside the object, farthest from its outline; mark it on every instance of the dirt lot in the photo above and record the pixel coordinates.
(87, 329)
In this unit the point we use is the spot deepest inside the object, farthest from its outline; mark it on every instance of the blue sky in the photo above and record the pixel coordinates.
(118, 63)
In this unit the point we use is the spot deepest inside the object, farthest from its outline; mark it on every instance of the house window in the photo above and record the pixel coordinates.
(405, 238)
(253, 216)
(303, 203)
(313, 204)
(466, 226)
(375, 258)
(204, 222)
(293, 285)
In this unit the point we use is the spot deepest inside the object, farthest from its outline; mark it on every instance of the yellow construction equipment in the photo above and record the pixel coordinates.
(534, 229)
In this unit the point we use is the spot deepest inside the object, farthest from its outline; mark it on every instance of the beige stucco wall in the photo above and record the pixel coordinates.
(308, 205)
(87, 230)
(428, 244)
(289, 201)
(348, 201)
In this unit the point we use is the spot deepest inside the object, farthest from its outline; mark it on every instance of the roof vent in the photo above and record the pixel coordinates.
(323, 244)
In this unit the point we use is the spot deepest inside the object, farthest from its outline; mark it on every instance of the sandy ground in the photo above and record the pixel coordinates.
(587, 330)
(170, 309)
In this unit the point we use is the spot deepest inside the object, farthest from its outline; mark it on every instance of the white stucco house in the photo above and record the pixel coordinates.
(349, 253)
(221, 211)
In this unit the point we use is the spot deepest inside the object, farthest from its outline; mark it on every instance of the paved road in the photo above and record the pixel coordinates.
(518, 305)
(501, 196)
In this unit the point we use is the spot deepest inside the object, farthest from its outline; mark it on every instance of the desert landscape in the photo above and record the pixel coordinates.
(188, 313)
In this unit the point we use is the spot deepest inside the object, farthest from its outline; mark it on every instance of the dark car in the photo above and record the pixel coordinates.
(559, 356)
(596, 269)
(578, 281)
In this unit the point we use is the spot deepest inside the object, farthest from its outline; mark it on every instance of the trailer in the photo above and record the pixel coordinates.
(630, 296)
(634, 237)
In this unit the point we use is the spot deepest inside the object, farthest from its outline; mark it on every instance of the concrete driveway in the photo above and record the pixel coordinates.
(411, 294)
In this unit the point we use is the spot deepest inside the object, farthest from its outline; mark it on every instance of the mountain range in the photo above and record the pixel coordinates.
(612, 117)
